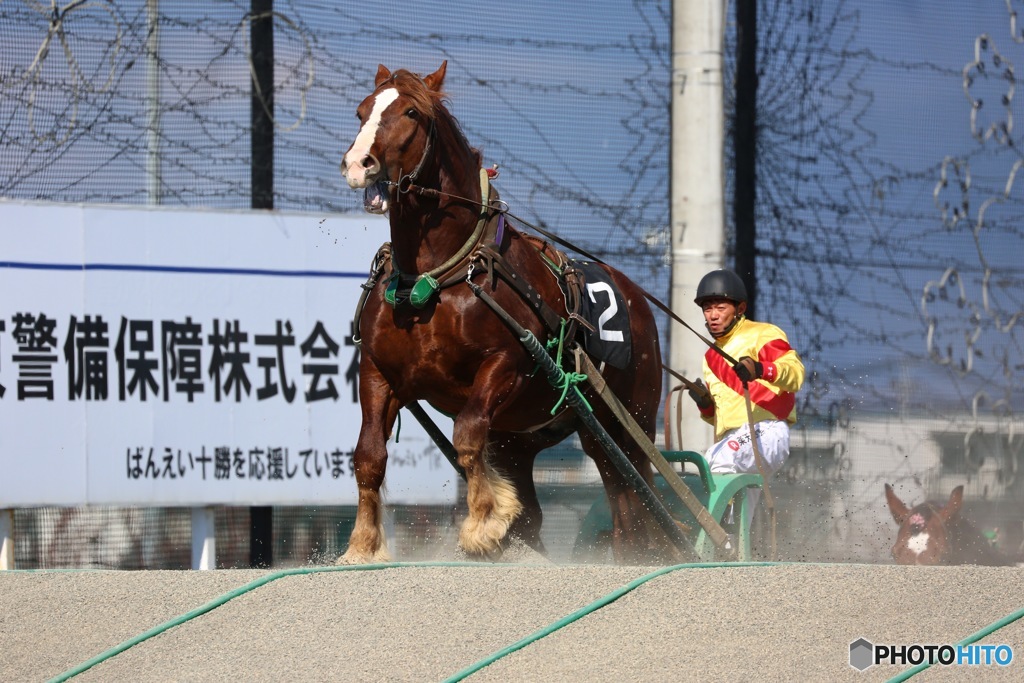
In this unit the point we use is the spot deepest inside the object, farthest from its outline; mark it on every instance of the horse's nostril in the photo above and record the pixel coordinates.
(369, 162)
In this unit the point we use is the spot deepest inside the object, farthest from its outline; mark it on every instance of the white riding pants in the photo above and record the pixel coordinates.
(734, 452)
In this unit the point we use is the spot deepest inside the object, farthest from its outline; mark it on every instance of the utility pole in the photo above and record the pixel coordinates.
(744, 198)
(698, 214)
(261, 41)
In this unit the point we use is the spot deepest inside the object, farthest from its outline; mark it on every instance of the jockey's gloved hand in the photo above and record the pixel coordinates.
(748, 369)
(700, 395)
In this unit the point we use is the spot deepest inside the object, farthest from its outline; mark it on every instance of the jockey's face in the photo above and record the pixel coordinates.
(719, 314)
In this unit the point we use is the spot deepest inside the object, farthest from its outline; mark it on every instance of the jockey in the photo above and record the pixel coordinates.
(767, 365)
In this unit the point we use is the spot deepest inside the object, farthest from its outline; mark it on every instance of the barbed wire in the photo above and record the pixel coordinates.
(836, 211)
(890, 258)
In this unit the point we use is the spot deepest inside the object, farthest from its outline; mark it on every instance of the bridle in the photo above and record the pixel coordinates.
(405, 182)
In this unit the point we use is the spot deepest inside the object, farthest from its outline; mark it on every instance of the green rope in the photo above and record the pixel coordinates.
(569, 380)
(561, 343)
(554, 345)
(231, 595)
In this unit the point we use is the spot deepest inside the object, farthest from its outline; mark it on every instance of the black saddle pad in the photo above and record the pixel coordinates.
(605, 309)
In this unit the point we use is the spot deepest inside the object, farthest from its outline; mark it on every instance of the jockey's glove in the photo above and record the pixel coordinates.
(700, 395)
(748, 369)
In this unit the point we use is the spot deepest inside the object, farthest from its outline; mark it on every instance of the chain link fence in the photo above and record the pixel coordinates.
(888, 212)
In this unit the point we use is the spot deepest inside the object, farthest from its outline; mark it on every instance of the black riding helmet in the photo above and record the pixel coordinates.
(721, 284)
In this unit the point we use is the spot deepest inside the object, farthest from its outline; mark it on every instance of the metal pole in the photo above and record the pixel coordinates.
(261, 42)
(154, 177)
(261, 32)
(698, 214)
(204, 538)
(744, 199)
(6, 538)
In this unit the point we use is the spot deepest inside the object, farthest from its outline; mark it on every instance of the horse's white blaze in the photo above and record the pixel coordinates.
(354, 171)
(918, 543)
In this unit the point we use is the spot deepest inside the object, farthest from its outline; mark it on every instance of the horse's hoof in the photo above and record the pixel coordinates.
(495, 553)
(351, 557)
(483, 554)
(348, 560)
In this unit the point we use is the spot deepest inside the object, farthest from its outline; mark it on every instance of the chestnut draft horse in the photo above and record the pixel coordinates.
(936, 534)
(426, 336)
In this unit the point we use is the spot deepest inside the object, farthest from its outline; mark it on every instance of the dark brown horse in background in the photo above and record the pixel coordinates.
(937, 534)
(452, 350)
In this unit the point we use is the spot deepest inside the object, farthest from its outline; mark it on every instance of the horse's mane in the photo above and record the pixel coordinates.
(432, 105)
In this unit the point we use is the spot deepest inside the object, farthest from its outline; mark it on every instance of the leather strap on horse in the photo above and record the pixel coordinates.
(426, 191)
(650, 297)
(380, 259)
(488, 258)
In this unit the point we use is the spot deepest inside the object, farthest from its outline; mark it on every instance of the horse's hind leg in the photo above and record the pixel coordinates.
(367, 544)
(632, 540)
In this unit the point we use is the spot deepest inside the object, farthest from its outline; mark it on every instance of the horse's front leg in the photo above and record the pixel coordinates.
(491, 498)
(379, 409)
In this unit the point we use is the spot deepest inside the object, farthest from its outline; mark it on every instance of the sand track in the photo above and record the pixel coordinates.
(429, 622)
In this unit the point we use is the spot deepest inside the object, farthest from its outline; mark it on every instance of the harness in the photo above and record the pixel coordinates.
(423, 287)
(483, 252)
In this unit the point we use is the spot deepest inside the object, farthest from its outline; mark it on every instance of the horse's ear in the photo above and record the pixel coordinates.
(383, 74)
(435, 80)
(896, 507)
(956, 500)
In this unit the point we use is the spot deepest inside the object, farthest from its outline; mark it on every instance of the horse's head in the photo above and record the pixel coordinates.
(924, 534)
(396, 127)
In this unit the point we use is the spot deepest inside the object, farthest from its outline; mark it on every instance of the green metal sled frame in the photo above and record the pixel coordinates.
(714, 491)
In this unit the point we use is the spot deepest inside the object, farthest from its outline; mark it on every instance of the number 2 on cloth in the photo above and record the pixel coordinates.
(613, 308)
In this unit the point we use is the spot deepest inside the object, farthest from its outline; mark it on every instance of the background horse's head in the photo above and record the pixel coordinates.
(923, 536)
(396, 128)
(931, 533)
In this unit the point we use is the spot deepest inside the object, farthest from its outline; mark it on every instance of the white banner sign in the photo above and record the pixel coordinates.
(171, 357)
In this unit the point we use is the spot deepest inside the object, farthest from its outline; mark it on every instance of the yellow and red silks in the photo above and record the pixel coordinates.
(773, 396)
